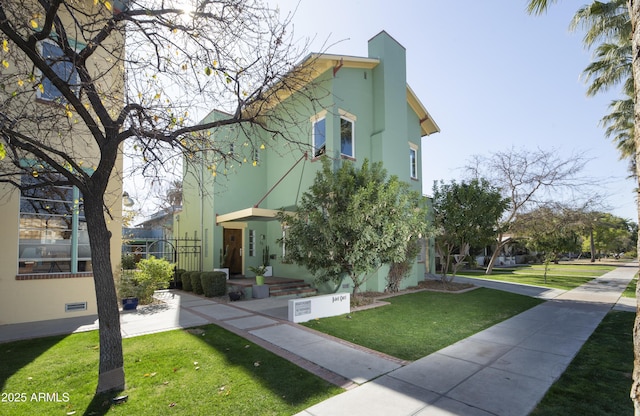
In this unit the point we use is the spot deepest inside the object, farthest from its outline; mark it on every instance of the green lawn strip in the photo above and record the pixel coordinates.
(598, 380)
(179, 372)
(556, 282)
(630, 291)
(418, 324)
(594, 269)
(565, 277)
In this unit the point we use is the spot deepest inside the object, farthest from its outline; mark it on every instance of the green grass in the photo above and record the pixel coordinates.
(598, 380)
(559, 276)
(205, 372)
(630, 291)
(418, 324)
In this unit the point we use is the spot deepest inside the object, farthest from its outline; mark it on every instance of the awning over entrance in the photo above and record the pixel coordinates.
(249, 214)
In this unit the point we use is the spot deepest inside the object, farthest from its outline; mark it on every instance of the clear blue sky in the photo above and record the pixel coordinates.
(491, 76)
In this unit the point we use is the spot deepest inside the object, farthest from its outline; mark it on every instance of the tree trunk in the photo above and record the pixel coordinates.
(634, 12)
(111, 369)
(593, 246)
(495, 255)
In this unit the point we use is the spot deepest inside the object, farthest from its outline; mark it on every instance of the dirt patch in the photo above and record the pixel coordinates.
(442, 286)
(366, 300)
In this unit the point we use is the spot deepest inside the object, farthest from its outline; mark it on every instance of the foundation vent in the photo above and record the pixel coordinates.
(75, 307)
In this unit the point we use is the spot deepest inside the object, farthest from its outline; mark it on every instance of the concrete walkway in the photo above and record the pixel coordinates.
(503, 370)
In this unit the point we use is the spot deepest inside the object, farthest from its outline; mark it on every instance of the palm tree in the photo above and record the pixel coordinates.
(608, 28)
(633, 10)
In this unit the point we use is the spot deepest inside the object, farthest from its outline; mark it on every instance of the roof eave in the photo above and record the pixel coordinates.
(428, 125)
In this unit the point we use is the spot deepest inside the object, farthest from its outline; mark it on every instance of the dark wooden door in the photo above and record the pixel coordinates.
(233, 246)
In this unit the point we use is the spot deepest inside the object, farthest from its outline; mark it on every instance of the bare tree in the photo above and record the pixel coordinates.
(529, 179)
(66, 107)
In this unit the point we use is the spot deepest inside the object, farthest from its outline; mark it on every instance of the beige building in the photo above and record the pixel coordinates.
(46, 268)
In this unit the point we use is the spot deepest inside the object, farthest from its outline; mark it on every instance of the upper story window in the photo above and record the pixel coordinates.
(347, 137)
(413, 161)
(319, 133)
(53, 230)
(319, 137)
(62, 66)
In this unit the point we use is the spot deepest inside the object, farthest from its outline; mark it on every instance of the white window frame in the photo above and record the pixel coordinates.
(318, 150)
(344, 115)
(252, 243)
(74, 82)
(413, 162)
(285, 228)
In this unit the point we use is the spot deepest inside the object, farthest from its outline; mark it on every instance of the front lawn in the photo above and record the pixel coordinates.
(559, 276)
(418, 324)
(201, 371)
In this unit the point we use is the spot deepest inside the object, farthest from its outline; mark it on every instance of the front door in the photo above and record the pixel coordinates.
(233, 250)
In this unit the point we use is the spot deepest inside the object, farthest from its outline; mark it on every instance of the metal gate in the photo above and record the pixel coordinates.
(186, 253)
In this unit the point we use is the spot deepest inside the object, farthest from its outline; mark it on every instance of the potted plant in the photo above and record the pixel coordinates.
(259, 290)
(137, 286)
(128, 290)
(224, 259)
(265, 261)
(259, 271)
(235, 293)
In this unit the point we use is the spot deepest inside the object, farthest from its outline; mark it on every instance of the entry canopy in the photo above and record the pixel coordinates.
(250, 214)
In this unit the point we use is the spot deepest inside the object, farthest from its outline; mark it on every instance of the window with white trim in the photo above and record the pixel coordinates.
(285, 229)
(62, 66)
(413, 161)
(319, 137)
(347, 142)
(52, 229)
(252, 243)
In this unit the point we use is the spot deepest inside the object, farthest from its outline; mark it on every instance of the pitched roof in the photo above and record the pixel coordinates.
(317, 64)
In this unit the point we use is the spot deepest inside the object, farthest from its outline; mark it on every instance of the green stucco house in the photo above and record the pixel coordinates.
(364, 110)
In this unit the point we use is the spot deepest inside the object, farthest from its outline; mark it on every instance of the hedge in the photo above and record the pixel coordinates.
(179, 273)
(214, 283)
(186, 281)
(196, 283)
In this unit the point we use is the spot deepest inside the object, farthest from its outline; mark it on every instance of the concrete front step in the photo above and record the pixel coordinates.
(291, 289)
(278, 286)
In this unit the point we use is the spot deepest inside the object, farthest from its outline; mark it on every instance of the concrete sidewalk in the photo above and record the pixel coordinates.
(504, 370)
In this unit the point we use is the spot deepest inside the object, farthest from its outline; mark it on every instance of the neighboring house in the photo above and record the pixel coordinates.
(365, 110)
(159, 236)
(45, 254)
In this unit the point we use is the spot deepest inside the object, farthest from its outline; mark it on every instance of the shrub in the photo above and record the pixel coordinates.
(196, 283)
(127, 286)
(214, 283)
(186, 281)
(179, 273)
(152, 274)
(128, 261)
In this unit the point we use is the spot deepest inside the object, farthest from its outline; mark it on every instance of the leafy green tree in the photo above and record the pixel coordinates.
(465, 214)
(550, 231)
(352, 221)
(64, 91)
(610, 234)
